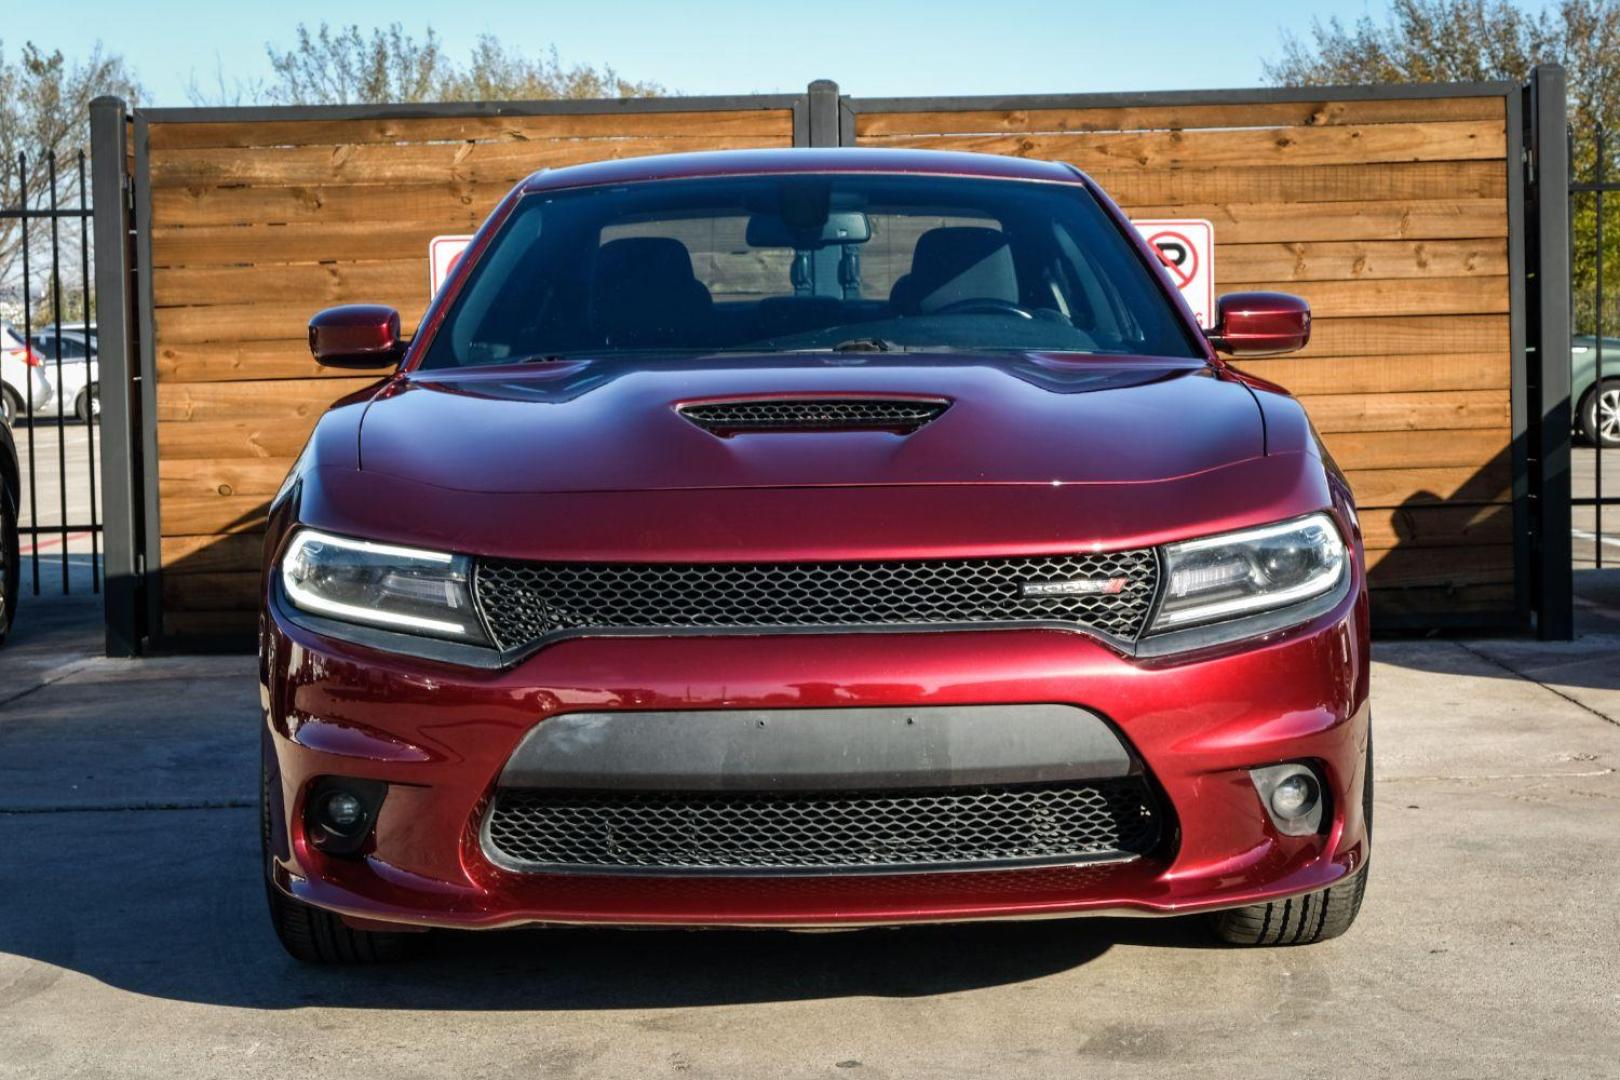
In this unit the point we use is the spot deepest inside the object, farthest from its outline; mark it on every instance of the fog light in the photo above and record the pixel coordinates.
(341, 812)
(1293, 797)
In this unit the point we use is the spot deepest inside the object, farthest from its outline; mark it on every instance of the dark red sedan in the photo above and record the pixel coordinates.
(804, 539)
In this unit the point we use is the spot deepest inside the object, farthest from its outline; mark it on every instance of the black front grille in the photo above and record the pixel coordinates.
(773, 832)
(819, 414)
(526, 602)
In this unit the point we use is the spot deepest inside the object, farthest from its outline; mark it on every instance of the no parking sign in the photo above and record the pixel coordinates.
(1187, 246)
(443, 252)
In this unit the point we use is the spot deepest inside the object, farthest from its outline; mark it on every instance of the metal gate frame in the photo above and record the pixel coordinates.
(1538, 257)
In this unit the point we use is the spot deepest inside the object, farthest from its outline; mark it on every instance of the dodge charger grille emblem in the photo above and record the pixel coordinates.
(1075, 587)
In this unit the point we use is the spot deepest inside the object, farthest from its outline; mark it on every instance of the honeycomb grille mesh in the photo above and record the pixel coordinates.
(526, 602)
(825, 414)
(766, 832)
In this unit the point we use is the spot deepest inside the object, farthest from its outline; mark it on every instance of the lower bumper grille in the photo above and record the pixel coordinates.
(798, 832)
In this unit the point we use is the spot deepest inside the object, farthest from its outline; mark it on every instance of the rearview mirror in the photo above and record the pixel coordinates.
(840, 227)
(1260, 324)
(356, 336)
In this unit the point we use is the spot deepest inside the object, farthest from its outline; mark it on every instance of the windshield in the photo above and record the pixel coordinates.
(808, 262)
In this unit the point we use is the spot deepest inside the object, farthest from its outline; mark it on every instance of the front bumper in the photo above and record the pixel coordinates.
(441, 736)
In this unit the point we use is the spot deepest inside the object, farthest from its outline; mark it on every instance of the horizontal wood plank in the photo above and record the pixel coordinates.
(615, 121)
(1384, 374)
(1271, 222)
(220, 515)
(209, 554)
(1395, 296)
(1359, 260)
(399, 282)
(1407, 335)
(251, 322)
(1405, 567)
(416, 163)
(1436, 526)
(226, 361)
(283, 399)
(1418, 487)
(1248, 183)
(458, 206)
(271, 437)
(1358, 450)
(237, 245)
(1428, 411)
(1329, 145)
(221, 476)
(873, 126)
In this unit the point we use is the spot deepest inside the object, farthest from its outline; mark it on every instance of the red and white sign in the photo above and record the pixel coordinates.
(1187, 247)
(443, 251)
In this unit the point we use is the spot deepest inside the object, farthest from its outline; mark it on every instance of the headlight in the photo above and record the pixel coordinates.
(1216, 578)
(396, 588)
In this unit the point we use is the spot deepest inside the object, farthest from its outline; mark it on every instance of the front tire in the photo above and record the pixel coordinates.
(1600, 414)
(1303, 920)
(11, 406)
(312, 935)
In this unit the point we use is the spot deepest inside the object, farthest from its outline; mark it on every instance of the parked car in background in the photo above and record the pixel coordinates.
(812, 538)
(78, 386)
(10, 502)
(22, 373)
(1597, 409)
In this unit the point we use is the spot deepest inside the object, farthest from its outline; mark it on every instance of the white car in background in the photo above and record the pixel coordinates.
(78, 386)
(21, 369)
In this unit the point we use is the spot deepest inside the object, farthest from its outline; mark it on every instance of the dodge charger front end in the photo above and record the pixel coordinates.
(808, 539)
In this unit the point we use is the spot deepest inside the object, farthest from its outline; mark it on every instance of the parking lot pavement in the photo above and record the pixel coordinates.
(133, 941)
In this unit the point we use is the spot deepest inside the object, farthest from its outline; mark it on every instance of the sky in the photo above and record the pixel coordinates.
(726, 47)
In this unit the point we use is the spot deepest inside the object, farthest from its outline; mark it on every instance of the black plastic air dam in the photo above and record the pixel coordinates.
(817, 749)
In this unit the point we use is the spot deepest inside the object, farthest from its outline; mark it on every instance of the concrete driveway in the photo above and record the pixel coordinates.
(133, 941)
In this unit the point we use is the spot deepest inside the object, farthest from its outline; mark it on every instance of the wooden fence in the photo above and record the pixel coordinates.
(1397, 212)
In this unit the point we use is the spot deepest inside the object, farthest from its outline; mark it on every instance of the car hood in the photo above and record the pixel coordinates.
(615, 424)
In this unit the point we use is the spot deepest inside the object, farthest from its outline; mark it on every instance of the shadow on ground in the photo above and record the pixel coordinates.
(179, 915)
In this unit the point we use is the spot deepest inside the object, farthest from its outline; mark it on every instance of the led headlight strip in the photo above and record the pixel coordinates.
(385, 585)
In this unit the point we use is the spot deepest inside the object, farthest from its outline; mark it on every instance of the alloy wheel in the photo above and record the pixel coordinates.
(1608, 416)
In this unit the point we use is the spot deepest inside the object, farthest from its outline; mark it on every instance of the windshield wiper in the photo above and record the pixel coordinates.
(865, 344)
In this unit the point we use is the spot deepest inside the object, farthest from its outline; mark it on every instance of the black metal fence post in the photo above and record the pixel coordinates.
(1547, 210)
(121, 460)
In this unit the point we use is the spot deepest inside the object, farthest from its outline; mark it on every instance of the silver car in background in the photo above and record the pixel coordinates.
(23, 380)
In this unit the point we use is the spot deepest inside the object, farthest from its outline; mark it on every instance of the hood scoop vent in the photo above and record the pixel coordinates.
(900, 415)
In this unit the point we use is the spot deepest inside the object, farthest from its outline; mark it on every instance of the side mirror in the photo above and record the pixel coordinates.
(1260, 324)
(356, 336)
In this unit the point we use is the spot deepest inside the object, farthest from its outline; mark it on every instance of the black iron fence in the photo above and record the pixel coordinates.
(50, 372)
(1594, 351)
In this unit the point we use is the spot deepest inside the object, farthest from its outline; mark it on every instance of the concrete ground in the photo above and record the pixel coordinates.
(133, 941)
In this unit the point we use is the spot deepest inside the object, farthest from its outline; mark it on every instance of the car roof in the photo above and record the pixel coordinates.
(801, 160)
